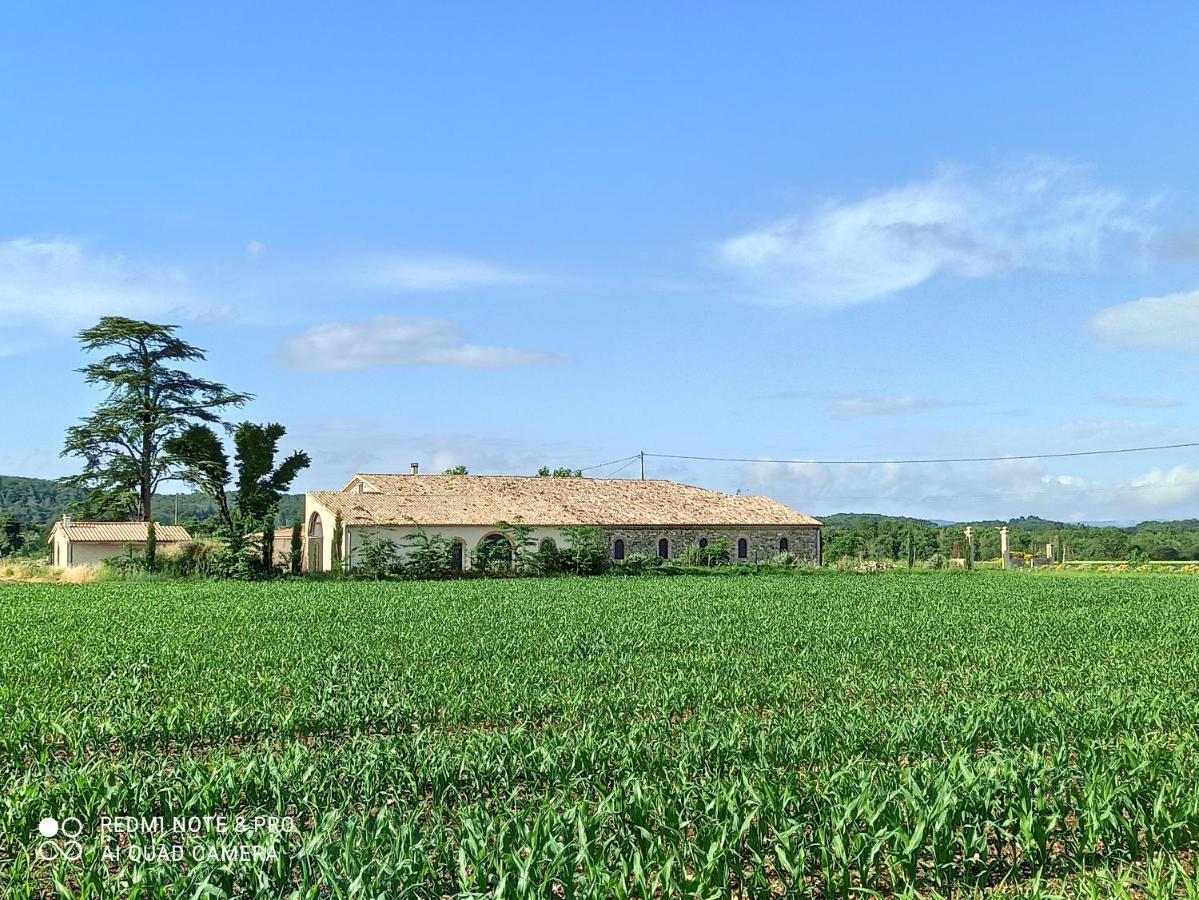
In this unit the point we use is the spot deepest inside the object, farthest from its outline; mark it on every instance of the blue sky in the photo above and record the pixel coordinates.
(511, 235)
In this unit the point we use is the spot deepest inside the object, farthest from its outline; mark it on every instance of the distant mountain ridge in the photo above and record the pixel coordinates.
(41, 501)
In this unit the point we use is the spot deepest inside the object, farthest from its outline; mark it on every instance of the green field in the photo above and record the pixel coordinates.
(797, 734)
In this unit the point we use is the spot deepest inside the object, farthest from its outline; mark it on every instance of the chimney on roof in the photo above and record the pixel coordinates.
(66, 520)
(415, 468)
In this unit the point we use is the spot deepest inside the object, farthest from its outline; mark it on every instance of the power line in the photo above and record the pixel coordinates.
(901, 462)
(628, 463)
(611, 463)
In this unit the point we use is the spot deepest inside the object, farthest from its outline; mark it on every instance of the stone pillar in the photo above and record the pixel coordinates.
(969, 547)
(1049, 552)
(1005, 550)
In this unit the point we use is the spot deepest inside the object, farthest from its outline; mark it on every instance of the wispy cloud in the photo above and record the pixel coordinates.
(860, 404)
(1135, 402)
(390, 342)
(1170, 321)
(1037, 214)
(61, 284)
(870, 405)
(436, 273)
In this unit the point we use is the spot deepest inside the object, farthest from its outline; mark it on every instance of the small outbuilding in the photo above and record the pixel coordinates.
(280, 548)
(90, 543)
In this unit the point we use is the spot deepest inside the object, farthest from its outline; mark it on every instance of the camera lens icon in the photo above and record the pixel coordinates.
(69, 850)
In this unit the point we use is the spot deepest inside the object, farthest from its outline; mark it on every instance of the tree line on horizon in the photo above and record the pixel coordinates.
(898, 539)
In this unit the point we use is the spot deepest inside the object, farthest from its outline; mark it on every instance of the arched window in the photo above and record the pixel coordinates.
(703, 543)
(742, 548)
(547, 545)
(664, 548)
(784, 545)
(316, 544)
(456, 555)
(493, 549)
(618, 549)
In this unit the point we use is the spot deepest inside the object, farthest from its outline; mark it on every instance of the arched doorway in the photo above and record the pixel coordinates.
(316, 535)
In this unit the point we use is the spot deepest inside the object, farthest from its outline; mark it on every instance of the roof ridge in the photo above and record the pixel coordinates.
(115, 522)
(547, 478)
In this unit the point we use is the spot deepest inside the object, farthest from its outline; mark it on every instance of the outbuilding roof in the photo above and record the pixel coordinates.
(120, 532)
(439, 500)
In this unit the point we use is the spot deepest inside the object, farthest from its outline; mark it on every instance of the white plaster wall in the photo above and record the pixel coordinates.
(59, 555)
(91, 553)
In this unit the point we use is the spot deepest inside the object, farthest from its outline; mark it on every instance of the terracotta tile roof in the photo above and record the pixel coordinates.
(121, 532)
(281, 534)
(487, 499)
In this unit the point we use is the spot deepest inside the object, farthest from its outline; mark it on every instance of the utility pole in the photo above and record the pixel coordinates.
(642, 455)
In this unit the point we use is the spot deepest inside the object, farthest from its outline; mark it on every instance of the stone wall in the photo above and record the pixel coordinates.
(763, 542)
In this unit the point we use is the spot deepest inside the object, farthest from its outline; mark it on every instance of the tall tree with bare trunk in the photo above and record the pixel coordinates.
(149, 400)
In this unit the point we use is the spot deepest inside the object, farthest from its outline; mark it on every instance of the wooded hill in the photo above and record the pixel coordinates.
(40, 501)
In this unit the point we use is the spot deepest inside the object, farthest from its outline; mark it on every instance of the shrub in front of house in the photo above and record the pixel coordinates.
(637, 564)
(377, 558)
(717, 553)
(427, 556)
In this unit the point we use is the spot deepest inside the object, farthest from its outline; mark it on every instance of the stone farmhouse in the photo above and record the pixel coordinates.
(90, 543)
(650, 517)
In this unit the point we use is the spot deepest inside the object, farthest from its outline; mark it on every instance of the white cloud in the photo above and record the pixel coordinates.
(860, 404)
(1135, 402)
(863, 405)
(1171, 321)
(255, 249)
(437, 273)
(1125, 488)
(390, 342)
(1168, 489)
(63, 284)
(1035, 215)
